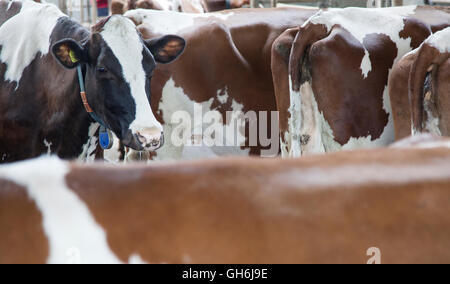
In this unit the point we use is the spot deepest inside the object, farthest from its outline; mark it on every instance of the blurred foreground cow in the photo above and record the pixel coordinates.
(42, 107)
(339, 67)
(420, 84)
(226, 69)
(318, 209)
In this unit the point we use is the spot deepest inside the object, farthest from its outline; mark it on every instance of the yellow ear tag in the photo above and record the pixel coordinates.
(73, 57)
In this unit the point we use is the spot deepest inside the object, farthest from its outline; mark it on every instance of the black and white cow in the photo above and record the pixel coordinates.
(41, 110)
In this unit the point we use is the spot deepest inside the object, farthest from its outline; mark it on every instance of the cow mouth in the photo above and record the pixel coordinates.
(138, 142)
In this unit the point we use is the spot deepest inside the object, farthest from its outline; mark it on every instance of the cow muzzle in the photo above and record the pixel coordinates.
(150, 141)
(144, 140)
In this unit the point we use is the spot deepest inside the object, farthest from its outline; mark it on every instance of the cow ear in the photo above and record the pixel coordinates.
(167, 48)
(68, 52)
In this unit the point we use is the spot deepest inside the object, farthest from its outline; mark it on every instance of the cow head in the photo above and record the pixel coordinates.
(118, 66)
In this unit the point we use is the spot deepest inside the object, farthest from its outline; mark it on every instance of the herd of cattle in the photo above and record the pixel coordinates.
(339, 79)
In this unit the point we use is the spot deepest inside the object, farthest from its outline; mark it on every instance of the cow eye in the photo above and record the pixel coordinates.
(101, 69)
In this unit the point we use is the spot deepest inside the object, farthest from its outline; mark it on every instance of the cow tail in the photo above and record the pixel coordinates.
(306, 36)
(427, 58)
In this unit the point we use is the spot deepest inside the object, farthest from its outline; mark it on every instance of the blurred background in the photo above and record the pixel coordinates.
(88, 11)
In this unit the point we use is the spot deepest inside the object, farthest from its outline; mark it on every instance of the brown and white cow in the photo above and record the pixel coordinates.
(420, 84)
(41, 110)
(225, 68)
(317, 209)
(339, 66)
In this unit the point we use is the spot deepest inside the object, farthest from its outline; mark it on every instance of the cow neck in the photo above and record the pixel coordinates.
(105, 136)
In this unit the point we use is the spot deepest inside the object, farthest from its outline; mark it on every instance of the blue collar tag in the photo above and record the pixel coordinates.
(105, 138)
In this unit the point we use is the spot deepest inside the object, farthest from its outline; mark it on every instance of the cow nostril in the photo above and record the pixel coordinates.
(141, 138)
(151, 143)
(148, 140)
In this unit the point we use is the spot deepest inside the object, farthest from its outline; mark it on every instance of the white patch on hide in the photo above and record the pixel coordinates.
(88, 152)
(25, 35)
(174, 99)
(48, 145)
(440, 40)
(169, 22)
(67, 221)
